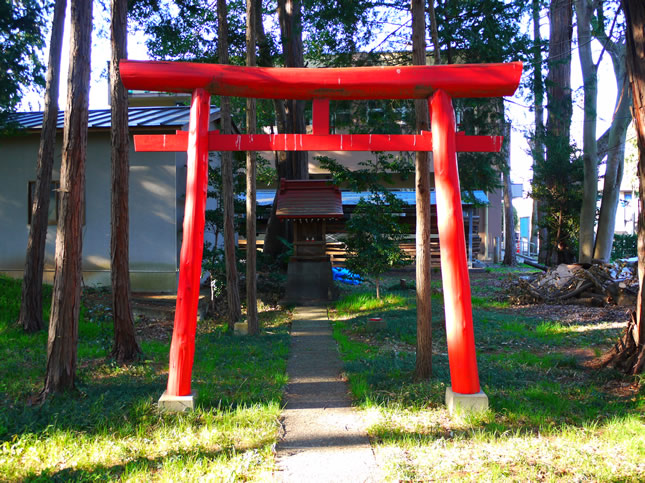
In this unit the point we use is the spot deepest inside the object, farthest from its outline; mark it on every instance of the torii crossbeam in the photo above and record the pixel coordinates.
(439, 84)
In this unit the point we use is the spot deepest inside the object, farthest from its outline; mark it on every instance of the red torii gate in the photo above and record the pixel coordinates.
(439, 84)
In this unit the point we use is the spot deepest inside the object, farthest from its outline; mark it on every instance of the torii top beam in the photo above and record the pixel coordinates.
(403, 82)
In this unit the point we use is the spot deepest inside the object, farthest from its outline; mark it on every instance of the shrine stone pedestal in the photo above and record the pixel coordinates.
(309, 280)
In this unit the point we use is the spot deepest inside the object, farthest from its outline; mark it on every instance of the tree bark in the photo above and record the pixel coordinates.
(559, 104)
(251, 128)
(125, 348)
(538, 149)
(434, 33)
(293, 164)
(66, 298)
(31, 306)
(584, 13)
(615, 152)
(232, 279)
(289, 14)
(629, 354)
(509, 226)
(423, 367)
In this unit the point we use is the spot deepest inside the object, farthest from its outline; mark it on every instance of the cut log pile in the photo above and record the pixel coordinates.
(596, 284)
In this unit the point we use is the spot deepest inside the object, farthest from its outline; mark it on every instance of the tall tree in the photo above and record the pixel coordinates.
(423, 367)
(31, 306)
(584, 14)
(232, 280)
(629, 353)
(559, 104)
(293, 164)
(434, 33)
(614, 148)
(125, 348)
(251, 157)
(538, 136)
(22, 27)
(509, 225)
(66, 297)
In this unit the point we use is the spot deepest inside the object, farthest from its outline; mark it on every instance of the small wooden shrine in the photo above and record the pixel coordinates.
(308, 204)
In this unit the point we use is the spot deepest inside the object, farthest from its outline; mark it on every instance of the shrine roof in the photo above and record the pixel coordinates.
(102, 118)
(316, 199)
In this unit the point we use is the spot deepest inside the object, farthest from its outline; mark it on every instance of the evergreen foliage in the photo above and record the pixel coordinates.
(374, 230)
(22, 32)
(373, 236)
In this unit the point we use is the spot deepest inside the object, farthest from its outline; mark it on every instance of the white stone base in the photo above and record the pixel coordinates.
(241, 328)
(176, 404)
(465, 403)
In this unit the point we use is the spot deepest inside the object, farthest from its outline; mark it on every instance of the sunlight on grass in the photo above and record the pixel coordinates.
(550, 417)
(362, 302)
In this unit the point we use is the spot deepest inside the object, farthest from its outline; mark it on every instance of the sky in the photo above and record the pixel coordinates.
(519, 112)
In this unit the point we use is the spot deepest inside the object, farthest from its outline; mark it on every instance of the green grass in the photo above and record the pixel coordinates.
(550, 417)
(365, 302)
(111, 428)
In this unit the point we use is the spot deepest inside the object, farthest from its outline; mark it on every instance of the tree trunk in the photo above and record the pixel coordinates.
(509, 226)
(31, 306)
(538, 96)
(423, 367)
(615, 153)
(584, 13)
(629, 354)
(293, 164)
(251, 128)
(289, 13)
(559, 103)
(434, 33)
(125, 348)
(232, 279)
(66, 299)
(538, 149)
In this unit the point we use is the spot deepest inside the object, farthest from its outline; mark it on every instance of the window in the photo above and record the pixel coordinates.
(52, 218)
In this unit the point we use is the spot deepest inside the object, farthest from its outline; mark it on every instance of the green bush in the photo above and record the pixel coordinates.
(624, 246)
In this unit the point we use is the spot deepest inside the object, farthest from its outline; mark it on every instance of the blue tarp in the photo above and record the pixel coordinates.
(345, 276)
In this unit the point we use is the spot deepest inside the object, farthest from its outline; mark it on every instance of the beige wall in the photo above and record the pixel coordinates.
(153, 227)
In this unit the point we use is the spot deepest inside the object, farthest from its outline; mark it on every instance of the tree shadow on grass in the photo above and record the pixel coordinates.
(229, 372)
(100, 472)
(531, 386)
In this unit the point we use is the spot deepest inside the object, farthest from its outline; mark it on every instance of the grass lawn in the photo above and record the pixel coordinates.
(552, 415)
(111, 429)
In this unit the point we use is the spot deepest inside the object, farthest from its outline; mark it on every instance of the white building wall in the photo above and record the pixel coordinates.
(153, 225)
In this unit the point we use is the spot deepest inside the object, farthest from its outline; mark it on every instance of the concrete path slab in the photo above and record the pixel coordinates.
(324, 438)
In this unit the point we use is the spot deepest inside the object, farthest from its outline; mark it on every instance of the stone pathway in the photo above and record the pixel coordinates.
(324, 438)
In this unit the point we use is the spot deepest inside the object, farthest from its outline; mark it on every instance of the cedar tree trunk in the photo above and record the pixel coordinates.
(509, 226)
(423, 367)
(293, 164)
(251, 128)
(232, 280)
(66, 298)
(559, 104)
(31, 306)
(629, 353)
(125, 348)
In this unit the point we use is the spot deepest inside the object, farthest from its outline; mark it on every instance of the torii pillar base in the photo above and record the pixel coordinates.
(465, 403)
(176, 404)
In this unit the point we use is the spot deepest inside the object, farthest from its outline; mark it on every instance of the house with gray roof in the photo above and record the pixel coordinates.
(157, 192)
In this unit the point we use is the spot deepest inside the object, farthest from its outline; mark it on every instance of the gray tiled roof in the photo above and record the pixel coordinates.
(350, 198)
(137, 117)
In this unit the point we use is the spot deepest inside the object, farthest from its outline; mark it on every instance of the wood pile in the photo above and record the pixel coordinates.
(597, 284)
